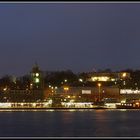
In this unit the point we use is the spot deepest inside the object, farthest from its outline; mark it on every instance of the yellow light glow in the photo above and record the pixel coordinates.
(68, 96)
(66, 88)
(137, 103)
(123, 101)
(112, 79)
(124, 75)
(5, 89)
(99, 84)
(100, 78)
(33, 104)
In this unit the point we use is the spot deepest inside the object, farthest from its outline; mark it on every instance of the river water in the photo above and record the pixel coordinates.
(70, 123)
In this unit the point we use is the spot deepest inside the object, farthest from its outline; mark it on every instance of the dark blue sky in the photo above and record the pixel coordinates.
(59, 36)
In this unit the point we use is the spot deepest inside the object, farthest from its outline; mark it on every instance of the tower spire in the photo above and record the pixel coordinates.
(36, 64)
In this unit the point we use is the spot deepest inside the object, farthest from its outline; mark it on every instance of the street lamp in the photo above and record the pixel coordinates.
(99, 87)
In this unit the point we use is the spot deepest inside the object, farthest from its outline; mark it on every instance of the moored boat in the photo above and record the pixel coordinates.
(129, 105)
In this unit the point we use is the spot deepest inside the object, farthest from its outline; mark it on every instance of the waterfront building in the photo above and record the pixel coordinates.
(88, 94)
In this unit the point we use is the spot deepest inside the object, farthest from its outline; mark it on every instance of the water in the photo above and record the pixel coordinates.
(70, 123)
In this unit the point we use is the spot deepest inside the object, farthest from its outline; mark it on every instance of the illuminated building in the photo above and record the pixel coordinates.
(107, 77)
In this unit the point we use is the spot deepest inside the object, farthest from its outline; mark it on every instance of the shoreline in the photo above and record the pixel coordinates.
(50, 108)
(56, 108)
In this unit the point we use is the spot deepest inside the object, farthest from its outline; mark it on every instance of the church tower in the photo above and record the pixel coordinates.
(36, 78)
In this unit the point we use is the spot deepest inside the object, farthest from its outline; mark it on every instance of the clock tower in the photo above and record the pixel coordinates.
(36, 78)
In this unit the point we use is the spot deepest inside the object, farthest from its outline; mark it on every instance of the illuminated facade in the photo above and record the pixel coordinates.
(106, 77)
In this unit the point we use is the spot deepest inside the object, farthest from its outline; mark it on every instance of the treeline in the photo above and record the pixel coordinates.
(57, 78)
(67, 77)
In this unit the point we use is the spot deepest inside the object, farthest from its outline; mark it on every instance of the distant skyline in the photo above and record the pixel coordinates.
(76, 36)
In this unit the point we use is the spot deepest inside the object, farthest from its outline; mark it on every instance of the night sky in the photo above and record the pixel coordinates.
(76, 36)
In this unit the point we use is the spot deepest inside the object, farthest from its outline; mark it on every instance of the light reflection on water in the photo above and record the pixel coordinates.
(70, 123)
(69, 110)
